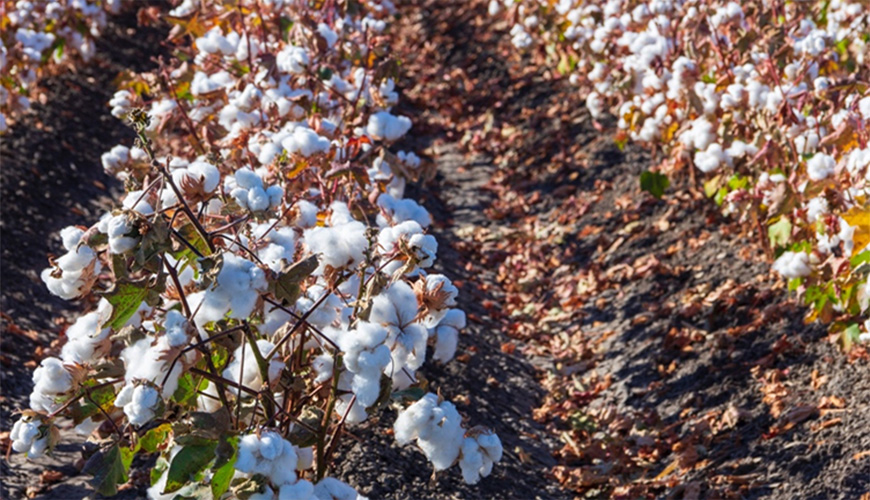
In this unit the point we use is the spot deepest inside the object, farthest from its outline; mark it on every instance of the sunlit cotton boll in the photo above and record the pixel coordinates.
(305, 142)
(139, 402)
(85, 337)
(249, 375)
(820, 166)
(76, 271)
(50, 381)
(478, 454)
(436, 427)
(792, 265)
(237, 290)
(339, 246)
(384, 126)
(25, 436)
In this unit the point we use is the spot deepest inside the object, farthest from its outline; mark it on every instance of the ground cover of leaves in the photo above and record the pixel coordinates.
(676, 364)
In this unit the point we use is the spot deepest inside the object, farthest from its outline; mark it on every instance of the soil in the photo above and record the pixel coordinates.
(465, 87)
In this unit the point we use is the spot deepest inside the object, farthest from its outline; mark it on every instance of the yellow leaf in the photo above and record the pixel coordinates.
(670, 131)
(859, 218)
(297, 169)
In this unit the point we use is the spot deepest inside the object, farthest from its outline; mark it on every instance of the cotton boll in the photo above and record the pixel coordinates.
(74, 273)
(305, 142)
(119, 229)
(816, 208)
(50, 381)
(711, 158)
(820, 166)
(740, 149)
(396, 310)
(436, 427)
(395, 211)
(446, 334)
(323, 366)
(249, 375)
(85, 339)
(699, 135)
(139, 402)
(792, 265)
(292, 59)
(332, 489)
(71, 236)
(478, 454)
(27, 437)
(338, 246)
(410, 234)
(384, 126)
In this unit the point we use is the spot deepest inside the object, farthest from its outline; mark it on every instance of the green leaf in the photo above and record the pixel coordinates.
(109, 470)
(104, 397)
(286, 287)
(188, 464)
(851, 335)
(125, 297)
(780, 232)
(224, 467)
(187, 388)
(711, 186)
(859, 259)
(154, 438)
(654, 183)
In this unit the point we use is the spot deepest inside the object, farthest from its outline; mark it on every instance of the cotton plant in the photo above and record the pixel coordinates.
(44, 37)
(775, 136)
(259, 291)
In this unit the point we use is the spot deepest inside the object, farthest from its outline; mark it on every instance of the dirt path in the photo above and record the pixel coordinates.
(676, 363)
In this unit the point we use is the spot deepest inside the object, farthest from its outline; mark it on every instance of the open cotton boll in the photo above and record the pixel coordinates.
(396, 309)
(292, 59)
(85, 338)
(275, 458)
(249, 374)
(339, 246)
(149, 359)
(139, 402)
(699, 135)
(446, 334)
(366, 356)
(792, 265)
(120, 230)
(711, 158)
(50, 381)
(236, 291)
(820, 166)
(395, 211)
(247, 188)
(27, 437)
(326, 313)
(816, 208)
(436, 428)
(740, 149)
(384, 126)
(424, 246)
(323, 365)
(74, 273)
(478, 454)
(305, 142)
(332, 489)
(435, 294)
